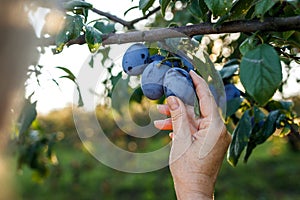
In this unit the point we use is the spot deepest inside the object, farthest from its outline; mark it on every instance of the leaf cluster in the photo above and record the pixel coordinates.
(35, 148)
(76, 24)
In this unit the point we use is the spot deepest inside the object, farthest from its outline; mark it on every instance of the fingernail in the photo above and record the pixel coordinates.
(159, 106)
(171, 135)
(192, 73)
(156, 123)
(172, 103)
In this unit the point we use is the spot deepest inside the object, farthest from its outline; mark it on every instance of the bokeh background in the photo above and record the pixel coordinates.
(271, 173)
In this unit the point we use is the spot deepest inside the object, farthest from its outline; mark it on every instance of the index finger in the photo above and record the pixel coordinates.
(208, 106)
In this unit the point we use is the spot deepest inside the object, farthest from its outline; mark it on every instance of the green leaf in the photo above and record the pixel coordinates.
(164, 4)
(233, 105)
(240, 9)
(80, 101)
(71, 5)
(105, 54)
(91, 63)
(285, 131)
(263, 6)
(258, 115)
(122, 92)
(144, 5)
(27, 116)
(206, 68)
(261, 73)
(93, 38)
(72, 29)
(240, 138)
(276, 105)
(115, 79)
(233, 61)
(70, 74)
(248, 44)
(259, 137)
(286, 35)
(198, 8)
(105, 28)
(137, 95)
(228, 71)
(198, 37)
(71, 77)
(219, 7)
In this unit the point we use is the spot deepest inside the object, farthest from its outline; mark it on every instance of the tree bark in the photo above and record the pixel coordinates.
(245, 26)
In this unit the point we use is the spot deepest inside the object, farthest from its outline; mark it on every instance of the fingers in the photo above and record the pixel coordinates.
(163, 109)
(179, 117)
(165, 124)
(207, 102)
(212, 125)
(182, 137)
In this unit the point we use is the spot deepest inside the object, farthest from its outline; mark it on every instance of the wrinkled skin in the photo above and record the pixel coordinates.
(198, 144)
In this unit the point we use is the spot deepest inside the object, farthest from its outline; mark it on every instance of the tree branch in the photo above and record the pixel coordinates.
(246, 26)
(128, 24)
(145, 16)
(112, 17)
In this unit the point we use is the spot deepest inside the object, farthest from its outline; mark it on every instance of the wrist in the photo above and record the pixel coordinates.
(189, 194)
(202, 189)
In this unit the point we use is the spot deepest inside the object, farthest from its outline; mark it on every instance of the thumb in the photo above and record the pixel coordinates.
(182, 138)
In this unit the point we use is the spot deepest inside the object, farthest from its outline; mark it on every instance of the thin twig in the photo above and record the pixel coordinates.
(145, 16)
(287, 55)
(111, 17)
(128, 24)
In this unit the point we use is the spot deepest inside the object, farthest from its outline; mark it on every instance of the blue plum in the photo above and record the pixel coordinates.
(170, 63)
(135, 59)
(177, 82)
(152, 80)
(173, 63)
(231, 91)
(156, 57)
(187, 63)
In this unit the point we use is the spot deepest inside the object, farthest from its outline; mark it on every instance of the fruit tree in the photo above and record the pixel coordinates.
(253, 44)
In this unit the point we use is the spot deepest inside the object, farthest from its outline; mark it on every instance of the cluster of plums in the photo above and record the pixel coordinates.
(160, 75)
(165, 76)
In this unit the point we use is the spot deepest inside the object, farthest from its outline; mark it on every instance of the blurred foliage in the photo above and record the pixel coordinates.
(77, 175)
(252, 61)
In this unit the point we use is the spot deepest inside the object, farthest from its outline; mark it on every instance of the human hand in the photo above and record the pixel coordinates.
(198, 144)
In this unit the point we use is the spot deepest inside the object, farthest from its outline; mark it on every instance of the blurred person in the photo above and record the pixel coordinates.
(16, 39)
